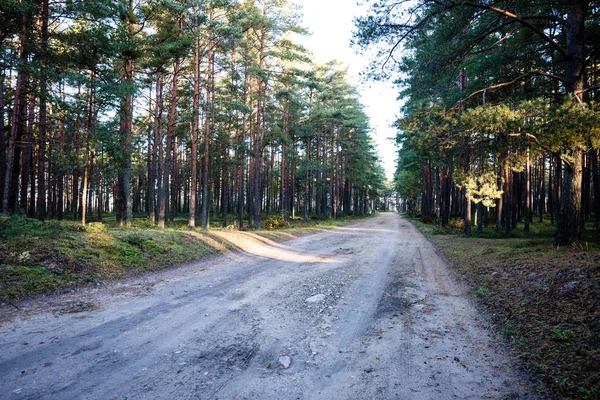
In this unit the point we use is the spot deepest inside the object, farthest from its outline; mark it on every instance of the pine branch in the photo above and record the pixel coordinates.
(521, 20)
(505, 84)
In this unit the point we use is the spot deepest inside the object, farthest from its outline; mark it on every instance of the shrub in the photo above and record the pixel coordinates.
(276, 222)
(428, 220)
(96, 227)
(457, 224)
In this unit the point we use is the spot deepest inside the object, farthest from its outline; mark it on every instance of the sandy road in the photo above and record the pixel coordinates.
(367, 311)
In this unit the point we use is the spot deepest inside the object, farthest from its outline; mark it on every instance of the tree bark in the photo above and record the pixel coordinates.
(157, 154)
(194, 133)
(569, 224)
(170, 147)
(27, 158)
(18, 122)
(124, 203)
(595, 159)
(43, 122)
(208, 131)
(3, 144)
(527, 209)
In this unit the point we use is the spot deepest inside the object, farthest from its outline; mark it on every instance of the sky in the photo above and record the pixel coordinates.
(331, 25)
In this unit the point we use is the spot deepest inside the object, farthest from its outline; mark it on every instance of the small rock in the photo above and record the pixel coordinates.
(285, 361)
(316, 298)
(569, 287)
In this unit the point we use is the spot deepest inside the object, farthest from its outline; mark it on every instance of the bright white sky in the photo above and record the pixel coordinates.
(331, 25)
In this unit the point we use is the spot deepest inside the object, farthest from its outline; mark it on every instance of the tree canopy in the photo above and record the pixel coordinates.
(155, 107)
(496, 91)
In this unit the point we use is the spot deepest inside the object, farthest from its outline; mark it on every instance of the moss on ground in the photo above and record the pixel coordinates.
(544, 300)
(44, 256)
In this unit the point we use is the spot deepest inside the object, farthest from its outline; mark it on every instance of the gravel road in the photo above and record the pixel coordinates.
(366, 311)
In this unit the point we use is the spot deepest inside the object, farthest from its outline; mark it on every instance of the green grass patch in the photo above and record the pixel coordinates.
(40, 256)
(18, 281)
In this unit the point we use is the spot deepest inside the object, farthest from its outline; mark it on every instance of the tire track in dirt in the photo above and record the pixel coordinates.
(388, 322)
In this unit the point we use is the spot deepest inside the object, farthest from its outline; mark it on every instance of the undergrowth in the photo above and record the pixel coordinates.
(45, 256)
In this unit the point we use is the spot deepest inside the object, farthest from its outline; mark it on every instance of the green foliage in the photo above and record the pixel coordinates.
(487, 85)
(44, 256)
(18, 281)
(276, 222)
(482, 189)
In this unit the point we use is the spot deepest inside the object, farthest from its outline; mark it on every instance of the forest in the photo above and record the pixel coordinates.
(156, 108)
(500, 124)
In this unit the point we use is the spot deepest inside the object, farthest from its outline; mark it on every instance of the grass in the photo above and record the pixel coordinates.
(544, 300)
(46, 256)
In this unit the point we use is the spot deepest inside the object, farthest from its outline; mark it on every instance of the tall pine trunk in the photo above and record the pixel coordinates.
(27, 158)
(157, 154)
(170, 147)
(43, 122)
(595, 158)
(194, 134)
(124, 212)
(569, 222)
(210, 70)
(13, 151)
(2, 141)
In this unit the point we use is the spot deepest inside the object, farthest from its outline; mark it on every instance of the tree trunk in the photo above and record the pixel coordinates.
(174, 173)
(170, 148)
(150, 165)
(307, 178)
(542, 189)
(27, 158)
(242, 161)
(595, 158)
(18, 122)
(3, 144)
(43, 123)
(194, 133)
(124, 204)
(507, 203)
(208, 131)
(157, 154)
(569, 224)
(527, 209)
(84, 185)
(60, 189)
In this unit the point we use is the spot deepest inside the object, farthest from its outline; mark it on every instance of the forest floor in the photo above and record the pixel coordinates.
(364, 311)
(544, 300)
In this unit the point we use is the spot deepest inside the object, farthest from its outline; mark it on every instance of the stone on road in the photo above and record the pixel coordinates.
(316, 298)
(365, 311)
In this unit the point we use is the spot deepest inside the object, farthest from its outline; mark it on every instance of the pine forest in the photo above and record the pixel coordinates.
(156, 108)
(307, 199)
(500, 123)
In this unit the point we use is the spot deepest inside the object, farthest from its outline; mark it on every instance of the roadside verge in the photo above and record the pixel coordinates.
(51, 256)
(544, 300)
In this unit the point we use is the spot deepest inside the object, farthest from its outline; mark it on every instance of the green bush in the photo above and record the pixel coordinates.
(276, 222)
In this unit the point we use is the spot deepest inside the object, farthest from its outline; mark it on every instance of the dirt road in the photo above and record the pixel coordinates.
(367, 311)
